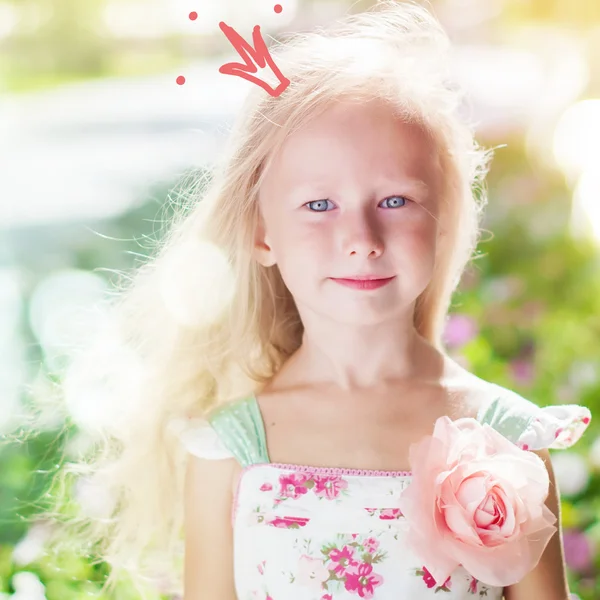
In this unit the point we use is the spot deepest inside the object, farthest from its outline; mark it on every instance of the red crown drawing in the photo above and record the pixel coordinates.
(253, 57)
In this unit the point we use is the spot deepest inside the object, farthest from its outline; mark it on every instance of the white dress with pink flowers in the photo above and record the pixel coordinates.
(313, 533)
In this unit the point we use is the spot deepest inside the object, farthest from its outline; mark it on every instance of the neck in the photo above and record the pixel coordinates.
(352, 358)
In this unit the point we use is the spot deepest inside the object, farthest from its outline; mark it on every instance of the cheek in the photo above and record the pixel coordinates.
(417, 240)
(301, 253)
(302, 244)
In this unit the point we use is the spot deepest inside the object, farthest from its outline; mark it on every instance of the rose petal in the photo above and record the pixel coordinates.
(460, 525)
(476, 499)
(508, 563)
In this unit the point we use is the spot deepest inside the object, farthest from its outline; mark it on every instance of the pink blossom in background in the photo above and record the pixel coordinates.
(523, 371)
(459, 330)
(476, 500)
(531, 311)
(578, 550)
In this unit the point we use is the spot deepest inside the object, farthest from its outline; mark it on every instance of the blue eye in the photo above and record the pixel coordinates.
(317, 202)
(402, 199)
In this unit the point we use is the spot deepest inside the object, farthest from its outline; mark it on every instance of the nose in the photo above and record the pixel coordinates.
(361, 235)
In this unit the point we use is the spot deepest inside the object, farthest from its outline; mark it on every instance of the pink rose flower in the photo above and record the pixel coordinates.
(477, 500)
(340, 560)
(361, 580)
(329, 486)
(293, 485)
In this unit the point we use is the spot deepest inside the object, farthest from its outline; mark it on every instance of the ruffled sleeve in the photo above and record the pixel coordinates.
(556, 427)
(532, 427)
(199, 438)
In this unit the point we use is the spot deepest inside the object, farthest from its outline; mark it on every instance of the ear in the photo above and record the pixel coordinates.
(262, 251)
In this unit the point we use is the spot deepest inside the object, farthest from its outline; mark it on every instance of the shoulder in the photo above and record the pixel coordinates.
(232, 429)
(198, 437)
(534, 426)
(206, 435)
(469, 393)
(204, 438)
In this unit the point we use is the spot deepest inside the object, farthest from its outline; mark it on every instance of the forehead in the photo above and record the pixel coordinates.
(349, 141)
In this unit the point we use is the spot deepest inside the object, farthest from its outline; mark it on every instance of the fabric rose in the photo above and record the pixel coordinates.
(475, 499)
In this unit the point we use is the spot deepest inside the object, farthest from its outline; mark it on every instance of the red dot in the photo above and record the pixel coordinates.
(278, 8)
(193, 15)
(180, 80)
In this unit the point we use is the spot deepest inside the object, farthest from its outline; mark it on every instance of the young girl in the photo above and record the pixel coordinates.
(290, 410)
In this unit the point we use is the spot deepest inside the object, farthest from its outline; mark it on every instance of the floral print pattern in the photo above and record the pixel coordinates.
(295, 485)
(321, 534)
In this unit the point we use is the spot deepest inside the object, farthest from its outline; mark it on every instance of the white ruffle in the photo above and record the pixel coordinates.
(199, 438)
(555, 427)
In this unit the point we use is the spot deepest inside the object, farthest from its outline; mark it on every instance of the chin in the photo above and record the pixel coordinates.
(365, 316)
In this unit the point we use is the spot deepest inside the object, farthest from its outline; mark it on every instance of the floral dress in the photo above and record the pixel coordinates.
(313, 533)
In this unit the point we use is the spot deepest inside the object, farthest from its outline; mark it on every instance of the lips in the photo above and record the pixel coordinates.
(363, 284)
(363, 278)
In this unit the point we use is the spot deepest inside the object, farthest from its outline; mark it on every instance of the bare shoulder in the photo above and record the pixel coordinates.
(472, 392)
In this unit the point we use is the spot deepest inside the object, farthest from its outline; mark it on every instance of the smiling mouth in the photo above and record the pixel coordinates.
(363, 284)
(363, 278)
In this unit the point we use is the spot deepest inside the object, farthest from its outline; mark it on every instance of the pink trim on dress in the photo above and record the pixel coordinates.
(340, 470)
(324, 470)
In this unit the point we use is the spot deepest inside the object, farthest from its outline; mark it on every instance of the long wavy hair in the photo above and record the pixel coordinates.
(200, 322)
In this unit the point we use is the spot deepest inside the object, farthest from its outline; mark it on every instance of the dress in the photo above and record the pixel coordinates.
(311, 533)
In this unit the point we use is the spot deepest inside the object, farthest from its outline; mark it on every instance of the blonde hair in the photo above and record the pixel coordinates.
(202, 322)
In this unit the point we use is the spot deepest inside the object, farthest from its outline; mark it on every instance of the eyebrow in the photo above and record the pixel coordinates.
(416, 184)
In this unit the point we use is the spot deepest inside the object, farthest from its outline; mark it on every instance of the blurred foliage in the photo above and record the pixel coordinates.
(72, 42)
(578, 12)
(534, 298)
(27, 468)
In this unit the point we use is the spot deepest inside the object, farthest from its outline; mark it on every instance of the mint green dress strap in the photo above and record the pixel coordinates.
(240, 427)
(506, 417)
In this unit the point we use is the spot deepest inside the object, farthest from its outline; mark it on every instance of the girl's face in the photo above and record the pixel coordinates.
(356, 192)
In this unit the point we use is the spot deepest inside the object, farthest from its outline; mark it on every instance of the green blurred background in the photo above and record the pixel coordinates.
(96, 139)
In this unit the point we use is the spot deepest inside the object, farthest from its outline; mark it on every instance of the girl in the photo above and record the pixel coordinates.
(288, 394)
